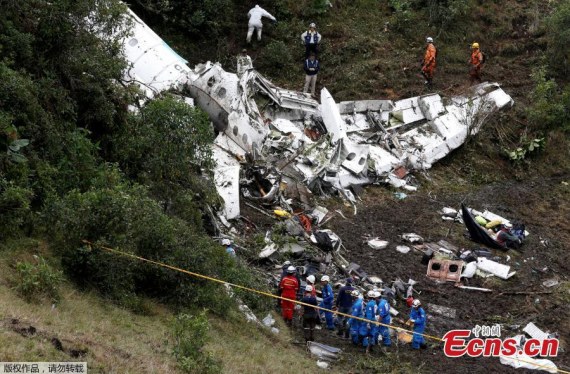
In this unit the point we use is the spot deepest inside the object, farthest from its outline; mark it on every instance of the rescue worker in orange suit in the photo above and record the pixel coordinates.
(428, 65)
(289, 286)
(476, 60)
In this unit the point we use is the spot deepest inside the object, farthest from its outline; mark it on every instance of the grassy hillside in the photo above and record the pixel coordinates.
(115, 340)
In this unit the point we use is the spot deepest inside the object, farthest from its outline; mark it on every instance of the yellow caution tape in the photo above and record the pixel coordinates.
(284, 298)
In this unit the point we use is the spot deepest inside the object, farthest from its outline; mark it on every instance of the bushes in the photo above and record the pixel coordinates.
(39, 279)
(558, 36)
(190, 334)
(124, 217)
(549, 108)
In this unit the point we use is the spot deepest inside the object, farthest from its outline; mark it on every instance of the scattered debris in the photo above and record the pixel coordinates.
(475, 288)
(323, 351)
(469, 270)
(412, 238)
(404, 337)
(446, 270)
(268, 321)
(403, 249)
(520, 360)
(376, 243)
(500, 270)
(323, 364)
(442, 310)
(534, 332)
(551, 282)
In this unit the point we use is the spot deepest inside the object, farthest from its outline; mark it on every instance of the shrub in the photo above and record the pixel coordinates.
(126, 218)
(549, 108)
(15, 205)
(559, 39)
(190, 334)
(39, 279)
(275, 55)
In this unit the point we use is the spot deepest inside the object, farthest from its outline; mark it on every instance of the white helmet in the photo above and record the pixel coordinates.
(377, 294)
(354, 293)
(416, 303)
(291, 269)
(313, 25)
(325, 278)
(308, 288)
(287, 263)
(226, 242)
(311, 279)
(371, 294)
(429, 39)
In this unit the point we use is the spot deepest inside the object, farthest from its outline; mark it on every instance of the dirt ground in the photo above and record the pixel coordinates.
(541, 205)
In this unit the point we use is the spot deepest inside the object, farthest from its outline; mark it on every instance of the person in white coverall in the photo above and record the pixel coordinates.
(255, 15)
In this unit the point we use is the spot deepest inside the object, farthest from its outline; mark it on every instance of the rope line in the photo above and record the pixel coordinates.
(197, 275)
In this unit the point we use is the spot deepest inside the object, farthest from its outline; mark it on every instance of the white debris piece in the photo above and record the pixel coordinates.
(322, 364)
(268, 251)
(403, 249)
(268, 321)
(331, 117)
(520, 360)
(154, 66)
(323, 351)
(534, 332)
(450, 212)
(500, 270)
(469, 270)
(226, 180)
(376, 243)
(412, 238)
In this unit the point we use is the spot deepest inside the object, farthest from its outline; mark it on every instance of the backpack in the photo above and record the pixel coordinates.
(483, 57)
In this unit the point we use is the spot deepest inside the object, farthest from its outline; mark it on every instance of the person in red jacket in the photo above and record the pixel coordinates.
(289, 286)
(428, 65)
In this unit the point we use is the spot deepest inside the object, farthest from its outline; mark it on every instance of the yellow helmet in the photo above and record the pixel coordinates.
(475, 45)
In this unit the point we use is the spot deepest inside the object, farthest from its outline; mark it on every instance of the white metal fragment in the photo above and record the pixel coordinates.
(376, 243)
(534, 332)
(500, 270)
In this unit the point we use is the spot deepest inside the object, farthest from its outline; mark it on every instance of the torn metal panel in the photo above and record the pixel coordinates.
(356, 156)
(534, 332)
(382, 160)
(406, 111)
(362, 106)
(226, 180)
(431, 106)
(500, 270)
(153, 64)
(323, 351)
(331, 117)
(446, 270)
(284, 98)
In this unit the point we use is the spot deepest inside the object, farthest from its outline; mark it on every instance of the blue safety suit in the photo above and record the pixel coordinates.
(385, 318)
(354, 324)
(371, 327)
(327, 303)
(418, 317)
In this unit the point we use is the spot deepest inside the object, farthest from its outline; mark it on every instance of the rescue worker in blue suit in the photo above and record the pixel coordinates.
(354, 324)
(327, 303)
(370, 315)
(384, 318)
(418, 318)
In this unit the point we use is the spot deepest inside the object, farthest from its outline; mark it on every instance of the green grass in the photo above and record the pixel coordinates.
(119, 341)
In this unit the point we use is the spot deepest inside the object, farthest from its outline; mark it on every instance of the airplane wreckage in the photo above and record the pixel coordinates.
(274, 143)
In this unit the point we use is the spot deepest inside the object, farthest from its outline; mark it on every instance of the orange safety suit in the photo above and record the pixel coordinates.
(289, 286)
(428, 67)
(475, 61)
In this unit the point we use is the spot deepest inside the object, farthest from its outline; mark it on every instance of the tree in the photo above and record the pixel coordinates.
(166, 146)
